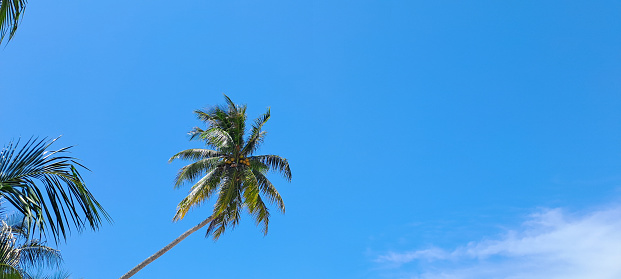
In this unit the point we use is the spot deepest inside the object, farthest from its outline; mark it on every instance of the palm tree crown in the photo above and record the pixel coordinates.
(230, 169)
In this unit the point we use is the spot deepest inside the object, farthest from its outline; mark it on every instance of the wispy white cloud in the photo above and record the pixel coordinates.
(551, 244)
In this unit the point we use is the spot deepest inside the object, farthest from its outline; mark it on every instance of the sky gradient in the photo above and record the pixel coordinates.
(419, 133)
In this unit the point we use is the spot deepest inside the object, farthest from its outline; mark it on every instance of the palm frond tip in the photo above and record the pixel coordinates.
(10, 16)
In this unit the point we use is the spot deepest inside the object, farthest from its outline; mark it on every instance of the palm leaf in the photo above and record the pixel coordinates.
(192, 171)
(9, 272)
(26, 171)
(268, 189)
(275, 163)
(10, 16)
(256, 137)
(216, 227)
(195, 154)
(35, 254)
(253, 200)
(200, 192)
(218, 138)
(229, 193)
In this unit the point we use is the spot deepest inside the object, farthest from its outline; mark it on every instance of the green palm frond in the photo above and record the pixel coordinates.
(216, 137)
(257, 165)
(216, 227)
(200, 192)
(20, 254)
(230, 170)
(262, 215)
(229, 194)
(195, 154)
(238, 125)
(256, 137)
(9, 255)
(217, 116)
(276, 163)
(253, 144)
(232, 106)
(229, 206)
(10, 15)
(34, 253)
(193, 171)
(251, 188)
(268, 189)
(27, 170)
(253, 200)
(195, 134)
(9, 272)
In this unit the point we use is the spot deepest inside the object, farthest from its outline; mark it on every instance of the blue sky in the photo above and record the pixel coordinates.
(437, 139)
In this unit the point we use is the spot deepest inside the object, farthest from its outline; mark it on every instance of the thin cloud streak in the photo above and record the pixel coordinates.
(550, 244)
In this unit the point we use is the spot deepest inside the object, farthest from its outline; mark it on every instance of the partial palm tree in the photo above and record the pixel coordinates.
(10, 15)
(45, 186)
(229, 169)
(20, 255)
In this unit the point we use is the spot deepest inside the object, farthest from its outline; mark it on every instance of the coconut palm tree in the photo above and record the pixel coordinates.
(47, 189)
(229, 169)
(10, 15)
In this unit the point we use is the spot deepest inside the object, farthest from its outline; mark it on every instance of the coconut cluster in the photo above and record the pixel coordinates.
(232, 161)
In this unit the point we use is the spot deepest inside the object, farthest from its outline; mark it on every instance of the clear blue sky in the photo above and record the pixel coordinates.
(420, 133)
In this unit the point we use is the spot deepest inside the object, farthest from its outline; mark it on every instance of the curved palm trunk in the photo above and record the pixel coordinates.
(165, 249)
